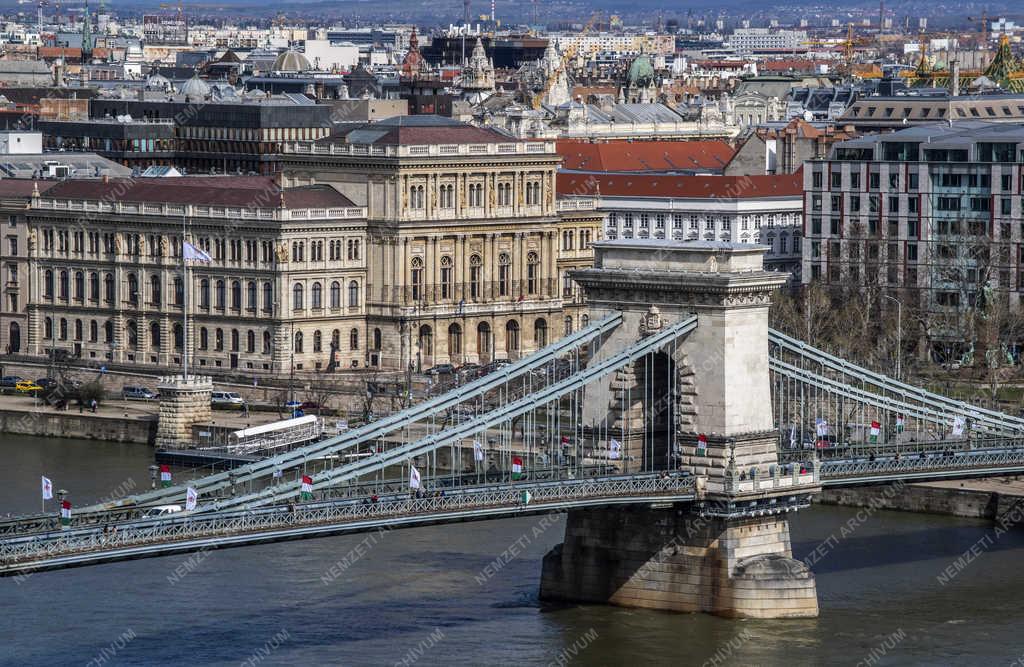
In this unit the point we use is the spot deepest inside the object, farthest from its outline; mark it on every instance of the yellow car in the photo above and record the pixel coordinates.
(27, 387)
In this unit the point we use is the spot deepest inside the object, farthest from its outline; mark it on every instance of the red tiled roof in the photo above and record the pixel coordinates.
(240, 191)
(687, 187)
(22, 187)
(641, 156)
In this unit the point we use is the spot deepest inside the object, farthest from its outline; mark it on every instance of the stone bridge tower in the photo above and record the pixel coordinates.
(728, 553)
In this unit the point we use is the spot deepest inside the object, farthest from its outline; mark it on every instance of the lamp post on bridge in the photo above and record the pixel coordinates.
(899, 335)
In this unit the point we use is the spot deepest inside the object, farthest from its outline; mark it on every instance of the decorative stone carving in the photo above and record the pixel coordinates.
(651, 322)
(117, 243)
(164, 245)
(282, 252)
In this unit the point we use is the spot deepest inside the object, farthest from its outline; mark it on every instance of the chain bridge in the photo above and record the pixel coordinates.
(677, 431)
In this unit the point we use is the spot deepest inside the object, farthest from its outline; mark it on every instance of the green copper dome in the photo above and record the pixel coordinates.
(641, 72)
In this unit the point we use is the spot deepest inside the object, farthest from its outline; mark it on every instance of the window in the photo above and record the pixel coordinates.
(504, 273)
(204, 293)
(297, 297)
(94, 331)
(48, 328)
(133, 288)
(512, 337)
(475, 268)
(353, 294)
(417, 278)
(353, 339)
(219, 294)
(318, 341)
(250, 294)
(532, 269)
(268, 297)
(79, 286)
(540, 333)
(297, 344)
(267, 343)
(377, 339)
(425, 340)
(335, 294)
(234, 340)
(316, 296)
(454, 340)
(250, 341)
(63, 286)
(218, 340)
(446, 277)
(236, 295)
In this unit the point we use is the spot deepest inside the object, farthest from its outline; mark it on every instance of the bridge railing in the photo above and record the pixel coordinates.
(1000, 460)
(218, 525)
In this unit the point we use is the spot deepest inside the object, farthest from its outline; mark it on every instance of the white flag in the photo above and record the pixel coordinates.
(958, 425)
(414, 478)
(792, 436)
(192, 253)
(191, 498)
(478, 451)
(821, 426)
(614, 449)
(47, 488)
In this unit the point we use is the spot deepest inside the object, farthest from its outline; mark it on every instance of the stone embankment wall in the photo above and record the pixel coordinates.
(964, 502)
(71, 424)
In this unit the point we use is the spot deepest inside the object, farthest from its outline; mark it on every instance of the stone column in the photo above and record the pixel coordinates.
(728, 553)
(182, 404)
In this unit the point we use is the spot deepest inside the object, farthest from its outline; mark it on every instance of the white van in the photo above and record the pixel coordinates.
(162, 510)
(226, 399)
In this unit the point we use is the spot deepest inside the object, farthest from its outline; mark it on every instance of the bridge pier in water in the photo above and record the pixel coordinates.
(729, 553)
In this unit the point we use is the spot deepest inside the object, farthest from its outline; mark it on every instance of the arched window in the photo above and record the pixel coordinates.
(62, 287)
(426, 340)
(108, 332)
(335, 294)
(79, 285)
(234, 340)
(377, 339)
(540, 332)
(179, 291)
(532, 271)
(353, 339)
(236, 295)
(154, 335)
(298, 341)
(584, 321)
(204, 293)
(250, 300)
(108, 287)
(353, 294)
(218, 340)
(475, 272)
(267, 344)
(336, 339)
(297, 293)
(179, 337)
(204, 338)
(504, 273)
(63, 329)
(48, 283)
(154, 290)
(78, 330)
(220, 294)
(417, 278)
(446, 277)
(512, 337)
(132, 329)
(568, 325)
(48, 328)
(268, 297)
(318, 341)
(454, 340)
(250, 341)
(483, 340)
(94, 331)
(316, 296)
(133, 288)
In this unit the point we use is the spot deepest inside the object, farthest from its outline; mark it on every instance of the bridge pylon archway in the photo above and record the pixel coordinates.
(701, 404)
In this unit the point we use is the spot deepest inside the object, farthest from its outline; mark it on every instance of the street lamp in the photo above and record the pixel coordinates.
(899, 334)
(152, 476)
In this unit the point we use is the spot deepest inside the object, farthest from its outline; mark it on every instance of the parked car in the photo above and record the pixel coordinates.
(162, 510)
(10, 380)
(27, 387)
(132, 393)
(227, 399)
(440, 369)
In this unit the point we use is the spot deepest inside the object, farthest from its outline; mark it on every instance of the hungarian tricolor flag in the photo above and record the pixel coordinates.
(65, 513)
(899, 423)
(517, 468)
(307, 488)
(702, 444)
(565, 440)
(876, 429)
(165, 475)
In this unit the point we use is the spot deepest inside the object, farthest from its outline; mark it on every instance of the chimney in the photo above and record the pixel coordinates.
(955, 79)
(106, 178)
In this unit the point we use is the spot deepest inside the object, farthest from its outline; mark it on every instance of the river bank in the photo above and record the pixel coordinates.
(988, 498)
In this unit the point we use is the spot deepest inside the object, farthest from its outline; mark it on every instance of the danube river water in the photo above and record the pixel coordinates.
(422, 596)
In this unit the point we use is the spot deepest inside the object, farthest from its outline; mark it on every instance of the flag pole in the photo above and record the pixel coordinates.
(184, 302)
